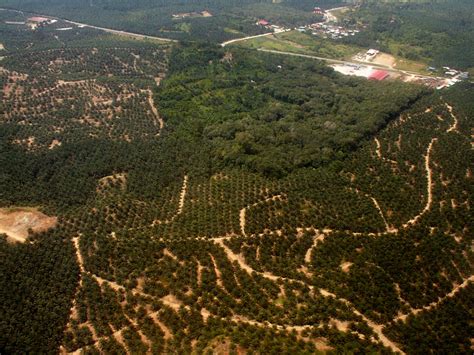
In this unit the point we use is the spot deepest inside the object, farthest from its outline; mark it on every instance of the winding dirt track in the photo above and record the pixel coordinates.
(429, 186)
(378, 149)
(376, 328)
(454, 126)
(243, 211)
(319, 238)
(155, 112)
(387, 226)
(240, 260)
(182, 196)
(182, 199)
(80, 261)
(432, 305)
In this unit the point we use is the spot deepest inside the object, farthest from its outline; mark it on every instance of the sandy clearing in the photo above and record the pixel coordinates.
(171, 301)
(384, 59)
(54, 143)
(242, 221)
(15, 222)
(346, 266)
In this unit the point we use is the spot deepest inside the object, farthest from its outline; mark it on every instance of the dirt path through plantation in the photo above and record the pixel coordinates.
(388, 228)
(432, 305)
(242, 221)
(243, 211)
(75, 240)
(155, 112)
(182, 198)
(319, 237)
(454, 126)
(429, 187)
(377, 328)
(378, 149)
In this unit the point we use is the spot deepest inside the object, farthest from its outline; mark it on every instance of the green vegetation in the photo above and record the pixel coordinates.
(268, 204)
(297, 42)
(439, 32)
(273, 114)
(230, 19)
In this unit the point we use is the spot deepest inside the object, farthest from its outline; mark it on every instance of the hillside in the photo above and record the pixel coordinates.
(161, 197)
(214, 21)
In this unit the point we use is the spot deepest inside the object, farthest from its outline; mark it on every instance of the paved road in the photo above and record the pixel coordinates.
(109, 30)
(142, 36)
(336, 61)
(117, 32)
(223, 44)
(330, 17)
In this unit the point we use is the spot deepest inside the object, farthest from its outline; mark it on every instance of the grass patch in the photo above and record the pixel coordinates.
(302, 43)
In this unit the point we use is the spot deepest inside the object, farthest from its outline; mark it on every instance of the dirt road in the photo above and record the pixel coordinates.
(105, 29)
(429, 187)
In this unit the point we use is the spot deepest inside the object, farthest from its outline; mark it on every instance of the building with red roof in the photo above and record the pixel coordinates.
(38, 19)
(378, 75)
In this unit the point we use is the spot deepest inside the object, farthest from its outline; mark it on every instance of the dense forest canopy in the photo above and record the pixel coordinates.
(273, 114)
(224, 200)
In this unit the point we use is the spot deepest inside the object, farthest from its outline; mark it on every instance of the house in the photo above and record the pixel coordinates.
(372, 52)
(36, 21)
(378, 75)
(318, 11)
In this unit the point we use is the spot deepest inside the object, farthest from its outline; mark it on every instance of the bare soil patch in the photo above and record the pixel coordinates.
(346, 266)
(15, 222)
(384, 59)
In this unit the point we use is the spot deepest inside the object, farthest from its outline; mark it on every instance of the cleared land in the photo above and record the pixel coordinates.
(16, 222)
